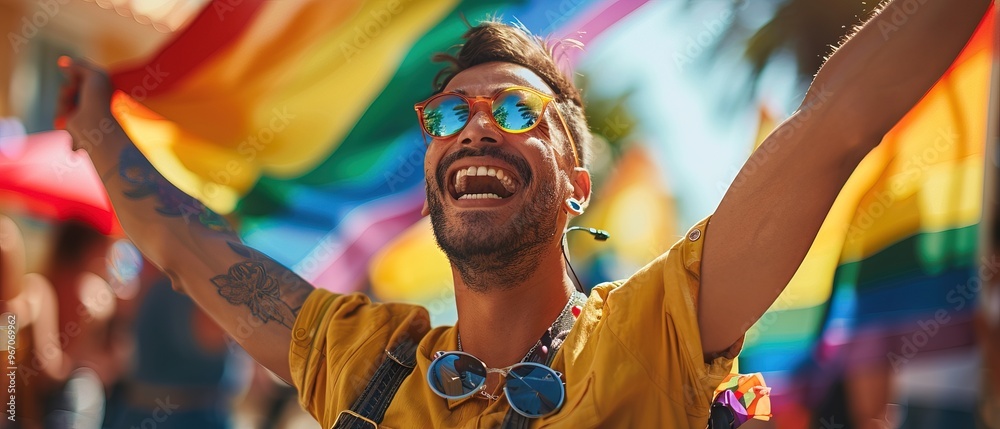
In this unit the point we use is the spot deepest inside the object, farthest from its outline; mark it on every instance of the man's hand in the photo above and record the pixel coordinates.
(84, 100)
(252, 297)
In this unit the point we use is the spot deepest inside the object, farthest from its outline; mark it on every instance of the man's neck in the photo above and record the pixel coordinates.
(500, 325)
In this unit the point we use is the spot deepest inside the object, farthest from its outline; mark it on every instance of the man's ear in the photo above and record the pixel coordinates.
(425, 210)
(580, 178)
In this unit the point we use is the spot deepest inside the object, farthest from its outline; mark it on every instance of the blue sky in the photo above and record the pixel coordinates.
(690, 99)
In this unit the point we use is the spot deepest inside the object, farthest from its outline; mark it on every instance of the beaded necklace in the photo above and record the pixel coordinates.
(569, 304)
(563, 322)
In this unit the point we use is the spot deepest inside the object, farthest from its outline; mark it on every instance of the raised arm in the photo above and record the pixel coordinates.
(252, 297)
(765, 224)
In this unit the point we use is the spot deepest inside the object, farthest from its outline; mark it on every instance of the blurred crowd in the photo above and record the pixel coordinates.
(101, 341)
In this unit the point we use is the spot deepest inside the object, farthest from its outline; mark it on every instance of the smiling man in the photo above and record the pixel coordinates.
(505, 171)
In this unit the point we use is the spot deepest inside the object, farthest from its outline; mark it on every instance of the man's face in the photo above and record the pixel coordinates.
(526, 171)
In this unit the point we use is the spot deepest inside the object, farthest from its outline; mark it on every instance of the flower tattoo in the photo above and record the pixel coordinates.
(251, 283)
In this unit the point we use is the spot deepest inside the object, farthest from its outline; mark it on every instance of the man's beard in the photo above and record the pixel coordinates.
(488, 254)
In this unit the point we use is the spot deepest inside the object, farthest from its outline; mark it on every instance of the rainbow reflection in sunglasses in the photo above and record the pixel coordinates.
(516, 109)
(532, 389)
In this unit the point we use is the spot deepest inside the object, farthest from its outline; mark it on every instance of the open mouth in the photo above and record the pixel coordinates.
(479, 182)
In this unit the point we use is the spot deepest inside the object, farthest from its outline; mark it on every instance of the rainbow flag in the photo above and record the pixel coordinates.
(893, 273)
(297, 116)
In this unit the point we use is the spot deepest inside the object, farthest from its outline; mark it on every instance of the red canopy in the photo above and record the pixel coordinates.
(41, 173)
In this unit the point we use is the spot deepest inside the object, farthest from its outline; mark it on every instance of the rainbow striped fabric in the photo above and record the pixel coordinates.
(296, 118)
(893, 272)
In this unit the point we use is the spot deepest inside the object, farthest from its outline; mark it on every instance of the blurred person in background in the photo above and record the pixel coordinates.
(987, 318)
(183, 374)
(988, 329)
(684, 315)
(92, 334)
(42, 364)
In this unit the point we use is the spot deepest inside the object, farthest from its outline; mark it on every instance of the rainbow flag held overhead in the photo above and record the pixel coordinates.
(297, 116)
(893, 273)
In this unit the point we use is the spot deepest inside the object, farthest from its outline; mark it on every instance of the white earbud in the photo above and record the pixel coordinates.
(574, 206)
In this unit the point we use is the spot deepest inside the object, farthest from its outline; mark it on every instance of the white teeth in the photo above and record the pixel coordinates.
(482, 171)
(490, 196)
(461, 181)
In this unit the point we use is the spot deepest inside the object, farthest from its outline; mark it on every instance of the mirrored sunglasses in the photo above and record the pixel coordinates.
(533, 390)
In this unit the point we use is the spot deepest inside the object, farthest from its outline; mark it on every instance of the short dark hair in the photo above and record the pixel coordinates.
(492, 41)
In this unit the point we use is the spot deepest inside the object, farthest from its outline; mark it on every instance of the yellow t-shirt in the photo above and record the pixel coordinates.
(633, 359)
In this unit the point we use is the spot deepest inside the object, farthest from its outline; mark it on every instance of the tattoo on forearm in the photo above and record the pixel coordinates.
(142, 180)
(258, 282)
